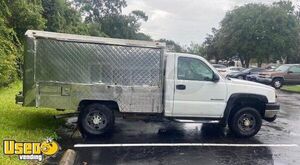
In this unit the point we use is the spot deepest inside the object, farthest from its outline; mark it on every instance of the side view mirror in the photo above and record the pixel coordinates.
(216, 77)
(290, 71)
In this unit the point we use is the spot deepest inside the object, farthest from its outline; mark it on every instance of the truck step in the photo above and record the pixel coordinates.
(196, 121)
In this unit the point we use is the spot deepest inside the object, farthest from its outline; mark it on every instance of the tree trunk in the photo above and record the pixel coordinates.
(217, 60)
(259, 63)
(287, 61)
(247, 62)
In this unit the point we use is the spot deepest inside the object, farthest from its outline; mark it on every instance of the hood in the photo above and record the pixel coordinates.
(248, 83)
(243, 86)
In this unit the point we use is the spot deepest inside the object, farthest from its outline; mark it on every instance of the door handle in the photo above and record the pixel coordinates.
(180, 87)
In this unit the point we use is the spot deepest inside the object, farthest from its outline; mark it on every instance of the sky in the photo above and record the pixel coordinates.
(185, 21)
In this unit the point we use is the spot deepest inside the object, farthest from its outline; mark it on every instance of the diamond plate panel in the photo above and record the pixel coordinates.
(136, 71)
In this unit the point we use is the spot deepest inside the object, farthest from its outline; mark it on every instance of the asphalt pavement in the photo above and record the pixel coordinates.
(274, 144)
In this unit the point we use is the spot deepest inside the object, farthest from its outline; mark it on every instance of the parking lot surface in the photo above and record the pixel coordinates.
(276, 143)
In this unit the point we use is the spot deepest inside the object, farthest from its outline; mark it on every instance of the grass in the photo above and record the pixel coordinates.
(292, 88)
(23, 123)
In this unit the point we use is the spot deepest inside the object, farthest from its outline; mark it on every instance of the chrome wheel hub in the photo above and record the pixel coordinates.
(277, 83)
(96, 119)
(247, 122)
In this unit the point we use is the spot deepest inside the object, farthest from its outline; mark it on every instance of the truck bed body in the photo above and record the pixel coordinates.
(61, 70)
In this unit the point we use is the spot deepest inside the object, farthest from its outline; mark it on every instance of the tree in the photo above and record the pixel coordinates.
(16, 17)
(212, 45)
(107, 16)
(8, 50)
(197, 49)
(124, 26)
(25, 15)
(261, 32)
(95, 10)
(62, 17)
(172, 45)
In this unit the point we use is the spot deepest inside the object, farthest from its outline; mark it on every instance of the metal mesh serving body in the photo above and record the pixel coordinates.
(66, 69)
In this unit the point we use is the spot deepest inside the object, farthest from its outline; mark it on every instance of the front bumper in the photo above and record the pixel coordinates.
(264, 80)
(272, 109)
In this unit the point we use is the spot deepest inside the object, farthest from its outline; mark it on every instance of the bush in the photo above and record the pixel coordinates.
(8, 54)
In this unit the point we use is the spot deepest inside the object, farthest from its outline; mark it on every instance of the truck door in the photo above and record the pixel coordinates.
(196, 94)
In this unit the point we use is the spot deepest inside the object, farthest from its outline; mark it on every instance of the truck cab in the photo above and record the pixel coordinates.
(195, 90)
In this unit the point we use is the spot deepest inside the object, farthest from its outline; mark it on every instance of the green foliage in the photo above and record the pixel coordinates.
(61, 17)
(24, 123)
(8, 51)
(95, 10)
(292, 88)
(124, 26)
(212, 46)
(172, 45)
(16, 17)
(104, 18)
(95, 29)
(25, 15)
(142, 36)
(197, 49)
(8, 54)
(256, 31)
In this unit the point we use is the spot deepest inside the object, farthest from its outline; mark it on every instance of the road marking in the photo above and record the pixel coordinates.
(183, 145)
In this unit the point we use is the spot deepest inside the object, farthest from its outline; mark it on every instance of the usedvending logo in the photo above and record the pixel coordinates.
(30, 150)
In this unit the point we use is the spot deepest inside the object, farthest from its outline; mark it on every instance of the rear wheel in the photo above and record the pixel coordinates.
(95, 119)
(277, 83)
(246, 122)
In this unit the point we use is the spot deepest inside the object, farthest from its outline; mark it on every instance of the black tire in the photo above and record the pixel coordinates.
(95, 119)
(277, 83)
(246, 122)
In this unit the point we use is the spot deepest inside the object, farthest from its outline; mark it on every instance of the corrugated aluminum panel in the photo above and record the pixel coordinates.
(129, 75)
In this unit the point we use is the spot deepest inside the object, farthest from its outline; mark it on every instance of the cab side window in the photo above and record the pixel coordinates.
(193, 69)
(295, 69)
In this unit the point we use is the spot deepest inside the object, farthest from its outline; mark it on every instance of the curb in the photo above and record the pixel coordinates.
(68, 158)
(285, 90)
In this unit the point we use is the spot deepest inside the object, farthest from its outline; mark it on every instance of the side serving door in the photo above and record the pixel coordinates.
(196, 94)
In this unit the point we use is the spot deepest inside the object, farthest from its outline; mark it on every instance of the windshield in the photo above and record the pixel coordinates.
(282, 68)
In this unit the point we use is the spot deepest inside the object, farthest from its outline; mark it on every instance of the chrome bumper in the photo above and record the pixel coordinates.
(272, 109)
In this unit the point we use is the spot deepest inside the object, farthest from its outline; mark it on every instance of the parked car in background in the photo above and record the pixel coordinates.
(231, 70)
(271, 67)
(243, 74)
(220, 68)
(284, 74)
(252, 77)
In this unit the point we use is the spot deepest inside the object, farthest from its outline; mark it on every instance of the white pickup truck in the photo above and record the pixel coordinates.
(102, 78)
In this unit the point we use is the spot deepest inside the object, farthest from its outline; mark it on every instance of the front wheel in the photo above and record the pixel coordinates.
(277, 83)
(246, 122)
(95, 119)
